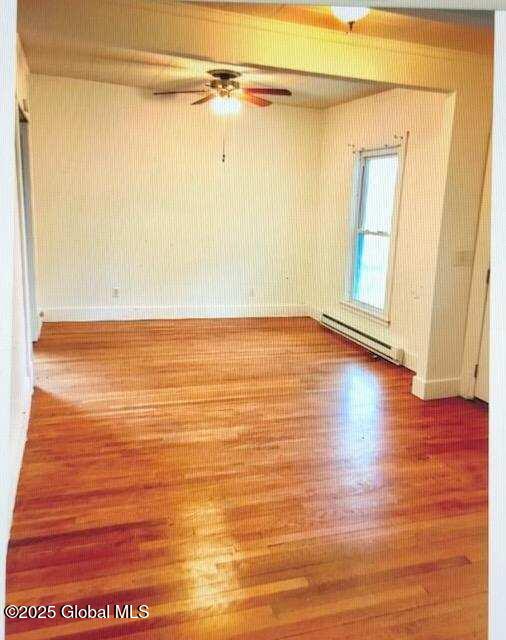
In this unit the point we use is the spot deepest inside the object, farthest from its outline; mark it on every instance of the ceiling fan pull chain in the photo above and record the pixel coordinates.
(223, 151)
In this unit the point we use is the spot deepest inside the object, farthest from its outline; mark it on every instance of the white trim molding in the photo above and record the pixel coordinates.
(435, 389)
(90, 314)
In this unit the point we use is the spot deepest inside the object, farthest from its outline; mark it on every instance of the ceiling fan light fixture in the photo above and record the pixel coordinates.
(349, 15)
(225, 105)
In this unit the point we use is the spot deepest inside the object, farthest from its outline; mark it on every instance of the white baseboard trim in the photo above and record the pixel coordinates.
(89, 314)
(313, 313)
(435, 389)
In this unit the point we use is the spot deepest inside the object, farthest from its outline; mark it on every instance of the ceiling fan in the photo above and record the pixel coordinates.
(225, 85)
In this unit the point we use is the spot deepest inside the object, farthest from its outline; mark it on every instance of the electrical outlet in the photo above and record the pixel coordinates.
(115, 292)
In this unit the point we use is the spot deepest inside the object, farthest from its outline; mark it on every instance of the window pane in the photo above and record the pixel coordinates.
(370, 270)
(378, 193)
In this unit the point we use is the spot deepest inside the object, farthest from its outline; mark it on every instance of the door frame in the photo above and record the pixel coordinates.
(478, 371)
(26, 223)
(479, 291)
(23, 249)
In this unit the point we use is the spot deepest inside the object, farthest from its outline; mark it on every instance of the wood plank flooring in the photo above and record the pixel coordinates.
(247, 479)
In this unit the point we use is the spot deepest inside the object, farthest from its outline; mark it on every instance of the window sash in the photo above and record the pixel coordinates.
(368, 232)
(365, 274)
(365, 157)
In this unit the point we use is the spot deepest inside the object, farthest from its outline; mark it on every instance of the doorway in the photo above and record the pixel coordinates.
(27, 227)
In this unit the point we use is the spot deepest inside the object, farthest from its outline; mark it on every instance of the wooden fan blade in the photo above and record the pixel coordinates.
(248, 97)
(173, 93)
(272, 91)
(209, 96)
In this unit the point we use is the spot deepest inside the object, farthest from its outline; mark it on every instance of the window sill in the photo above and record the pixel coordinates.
(366, 312)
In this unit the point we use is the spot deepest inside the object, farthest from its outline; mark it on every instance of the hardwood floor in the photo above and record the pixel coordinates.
(250, 479)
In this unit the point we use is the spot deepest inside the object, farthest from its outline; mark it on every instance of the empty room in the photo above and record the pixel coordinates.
(251, 323)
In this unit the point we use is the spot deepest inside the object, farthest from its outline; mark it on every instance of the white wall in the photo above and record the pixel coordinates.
(14, 391)
(439, 373)
(131, 193)
(497, 446)
(372, 122)
(7, 217)
(475, 322)
(22, 374)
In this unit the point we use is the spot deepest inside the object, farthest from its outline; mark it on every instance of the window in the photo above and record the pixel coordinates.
(373, 220)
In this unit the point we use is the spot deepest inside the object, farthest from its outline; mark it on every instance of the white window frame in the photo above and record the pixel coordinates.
(380, 315)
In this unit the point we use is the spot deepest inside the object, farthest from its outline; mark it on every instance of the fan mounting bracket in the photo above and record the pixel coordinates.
(224, 74)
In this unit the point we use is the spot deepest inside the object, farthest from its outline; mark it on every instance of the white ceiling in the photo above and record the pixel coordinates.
(47, 54)
(476, 17)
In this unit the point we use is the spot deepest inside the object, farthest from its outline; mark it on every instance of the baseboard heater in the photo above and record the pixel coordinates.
(382, 349)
